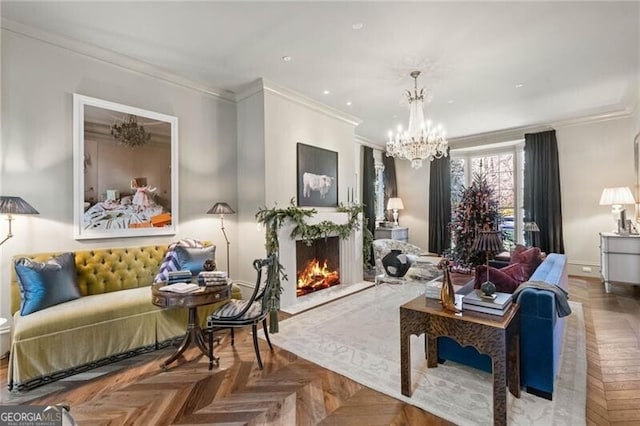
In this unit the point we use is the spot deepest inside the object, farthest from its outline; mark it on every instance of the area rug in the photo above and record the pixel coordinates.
(358, 337)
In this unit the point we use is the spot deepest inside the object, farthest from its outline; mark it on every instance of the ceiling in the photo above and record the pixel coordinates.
(488, 65)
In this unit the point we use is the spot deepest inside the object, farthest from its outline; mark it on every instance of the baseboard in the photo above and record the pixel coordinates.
(583, 269)
(246, 289)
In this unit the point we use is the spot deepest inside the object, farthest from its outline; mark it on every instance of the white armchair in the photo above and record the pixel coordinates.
(420, 270)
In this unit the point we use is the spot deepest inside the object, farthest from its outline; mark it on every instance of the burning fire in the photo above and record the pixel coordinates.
(316, 277)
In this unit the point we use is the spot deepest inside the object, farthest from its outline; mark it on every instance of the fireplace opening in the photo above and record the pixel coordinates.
(317, 265)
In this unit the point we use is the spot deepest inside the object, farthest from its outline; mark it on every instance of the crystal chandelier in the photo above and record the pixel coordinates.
(420, 141)
(129, 133)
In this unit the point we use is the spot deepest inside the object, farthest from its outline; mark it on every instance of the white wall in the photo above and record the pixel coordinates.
(413, 188)
(288, 122)
(252, 184)
(38, 81)
(273, 121)
(592, 156)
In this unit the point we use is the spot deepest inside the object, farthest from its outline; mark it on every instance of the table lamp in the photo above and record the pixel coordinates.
(222, 209)
(395, 204)
(617, 198)
(490, 242)
(530, 228)
(11, 206)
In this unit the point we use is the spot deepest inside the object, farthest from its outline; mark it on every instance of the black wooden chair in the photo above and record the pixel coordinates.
(240, 313)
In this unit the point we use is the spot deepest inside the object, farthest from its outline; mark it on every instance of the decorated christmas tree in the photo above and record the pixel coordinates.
(478, 207)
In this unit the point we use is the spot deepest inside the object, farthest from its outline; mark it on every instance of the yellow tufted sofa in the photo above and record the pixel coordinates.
(114, 318)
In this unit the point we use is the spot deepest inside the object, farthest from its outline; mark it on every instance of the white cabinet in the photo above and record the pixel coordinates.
(619, 258)
(398, 233)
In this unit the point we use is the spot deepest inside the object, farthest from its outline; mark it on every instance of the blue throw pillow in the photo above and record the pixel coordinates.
(192, 258)
(46, 284)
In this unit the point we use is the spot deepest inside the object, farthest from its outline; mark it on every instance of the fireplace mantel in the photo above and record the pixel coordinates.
(350, 257)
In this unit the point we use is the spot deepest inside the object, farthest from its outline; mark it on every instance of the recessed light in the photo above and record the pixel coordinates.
(519, 85)
(326, 92)
(348, 103)
(286, 58)
(357, 26)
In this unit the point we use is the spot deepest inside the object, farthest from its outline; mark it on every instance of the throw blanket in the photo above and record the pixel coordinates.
(561, 296)
(170, 262)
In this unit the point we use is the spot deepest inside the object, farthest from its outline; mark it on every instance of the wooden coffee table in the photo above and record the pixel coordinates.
(202, 296)
(496, 336)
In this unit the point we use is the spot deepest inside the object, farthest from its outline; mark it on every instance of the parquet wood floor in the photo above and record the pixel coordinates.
(293, 391)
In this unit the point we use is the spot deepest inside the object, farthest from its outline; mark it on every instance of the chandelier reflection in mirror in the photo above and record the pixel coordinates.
(129, 133)
(420, 141)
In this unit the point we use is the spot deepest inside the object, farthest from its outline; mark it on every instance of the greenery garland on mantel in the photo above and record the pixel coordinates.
(273, 219)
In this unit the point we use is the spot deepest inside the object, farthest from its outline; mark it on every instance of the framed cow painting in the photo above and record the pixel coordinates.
(317, 177)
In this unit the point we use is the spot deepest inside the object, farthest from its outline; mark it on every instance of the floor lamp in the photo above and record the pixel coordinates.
(11, 206)
(222, 209)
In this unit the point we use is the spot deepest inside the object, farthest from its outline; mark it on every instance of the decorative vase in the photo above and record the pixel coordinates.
(209, 265)
(488, 288)
(396, 264)
(447, 293)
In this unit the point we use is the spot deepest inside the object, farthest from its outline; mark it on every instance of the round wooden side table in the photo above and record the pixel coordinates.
(200, 297)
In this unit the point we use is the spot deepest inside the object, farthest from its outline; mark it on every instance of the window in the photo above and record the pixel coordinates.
(458, 179)
(379, 192)
(502, 165)
(379, 186)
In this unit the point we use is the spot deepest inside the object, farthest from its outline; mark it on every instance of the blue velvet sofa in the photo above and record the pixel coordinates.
(541, 333)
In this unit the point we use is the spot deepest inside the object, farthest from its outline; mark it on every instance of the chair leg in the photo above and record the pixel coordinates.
(255, 343)
(266, 333)
(210, 335)
(232, 337)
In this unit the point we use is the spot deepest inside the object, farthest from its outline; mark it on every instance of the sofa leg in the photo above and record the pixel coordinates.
(541, 394)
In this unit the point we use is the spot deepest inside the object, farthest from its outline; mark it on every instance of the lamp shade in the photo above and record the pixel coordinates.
(489, 241)
(395, 203)
(15, 205)
(616, 196)
(531, 227)
(221, 208)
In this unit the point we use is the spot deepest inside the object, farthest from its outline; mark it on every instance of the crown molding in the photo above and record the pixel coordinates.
(622, 113)
(361, 140)
(632, 98)
(113, 58)
(515, 133)
(497, 136)
(291, 95)
(253, 88)
(262, 85)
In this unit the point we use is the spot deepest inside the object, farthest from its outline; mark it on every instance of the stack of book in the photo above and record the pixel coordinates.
(477, 301)
(210, 278)
(179, 276)
(180, 288)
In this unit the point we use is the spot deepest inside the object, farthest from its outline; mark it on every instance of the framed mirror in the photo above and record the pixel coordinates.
(636, 164)
(125, 170)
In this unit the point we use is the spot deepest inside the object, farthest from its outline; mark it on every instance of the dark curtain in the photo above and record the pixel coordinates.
(369, 190)
(542, 190)
(439, 205)
(390, 186)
